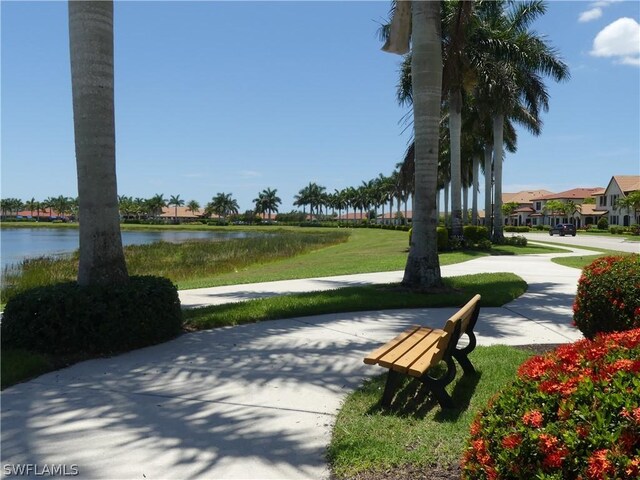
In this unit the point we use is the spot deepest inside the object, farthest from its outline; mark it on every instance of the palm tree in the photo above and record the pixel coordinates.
(223, 205)
(91, 46)
(156, 204)
(422, 269)
(630, 202)
(553, 208)
(31, 205)
(267, 202)
(193, 206)
(511, 77)
(176, 201)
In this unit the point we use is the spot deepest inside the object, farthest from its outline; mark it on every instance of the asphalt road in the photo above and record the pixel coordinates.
(612, 242)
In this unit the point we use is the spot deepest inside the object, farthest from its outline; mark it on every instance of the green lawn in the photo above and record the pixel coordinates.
(583, 261)
(369, 439)
(496, 290)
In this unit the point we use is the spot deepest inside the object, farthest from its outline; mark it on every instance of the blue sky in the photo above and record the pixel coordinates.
(240, 96)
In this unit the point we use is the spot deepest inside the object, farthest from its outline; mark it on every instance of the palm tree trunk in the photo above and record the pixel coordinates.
(474, 191)
(446, 203)
(91, 46)
(455, 129)
(465, 205)
(498, 131)
(423, 268)
(488, 177)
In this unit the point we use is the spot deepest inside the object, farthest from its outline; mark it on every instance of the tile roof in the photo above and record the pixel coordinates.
(590, 209)
(628, 183)
(525, 196)
(573, 194)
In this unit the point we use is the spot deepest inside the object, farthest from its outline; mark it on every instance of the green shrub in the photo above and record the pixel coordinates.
(539, 227)
(603, 223)
(573, 413)
(474, 234)
(608, 297)
(67, 318)
(517, 240)
(443, 239)
(615, 230)
(516, 229)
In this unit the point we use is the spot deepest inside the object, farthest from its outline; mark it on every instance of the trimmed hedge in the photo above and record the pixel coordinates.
(67, 318)
(573, 413)
(608, 297)
(516, 229)
(443, 239)
(474, 235)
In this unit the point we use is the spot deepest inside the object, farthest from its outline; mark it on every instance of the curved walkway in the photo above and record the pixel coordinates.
(250, 402)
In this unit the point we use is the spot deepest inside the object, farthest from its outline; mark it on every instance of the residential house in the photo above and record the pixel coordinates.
(525, 209)
(582, 212)
(606, 201)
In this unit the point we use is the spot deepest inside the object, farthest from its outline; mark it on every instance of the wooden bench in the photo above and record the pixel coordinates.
(418, 348)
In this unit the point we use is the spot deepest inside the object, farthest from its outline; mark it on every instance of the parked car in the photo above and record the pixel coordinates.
(563, 229)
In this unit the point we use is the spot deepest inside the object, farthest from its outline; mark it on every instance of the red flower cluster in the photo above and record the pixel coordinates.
(608, 297)
(572, 413)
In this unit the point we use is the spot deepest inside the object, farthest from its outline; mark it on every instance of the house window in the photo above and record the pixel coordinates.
(538, 205)
(614, 199)
(613, 220)
(603, 201)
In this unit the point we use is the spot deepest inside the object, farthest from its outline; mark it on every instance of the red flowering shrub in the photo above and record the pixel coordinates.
(608, 298)
(573, 413)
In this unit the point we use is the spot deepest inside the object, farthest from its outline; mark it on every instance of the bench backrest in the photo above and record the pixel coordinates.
(466, 316)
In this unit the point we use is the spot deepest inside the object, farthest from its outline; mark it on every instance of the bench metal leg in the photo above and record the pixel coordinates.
(393, 381)
(464, 362)
(437, 385)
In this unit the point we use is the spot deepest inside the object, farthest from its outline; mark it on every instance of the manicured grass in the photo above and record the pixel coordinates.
(583, 261)
(20, 365)
(496, 290)
(366, 438)
(607, 233)
(530, 249)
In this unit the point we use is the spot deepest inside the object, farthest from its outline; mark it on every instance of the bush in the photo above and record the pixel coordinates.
(608, 297)
(616, 230)
(517, 240)
(475, 234)
(515, 229)
(573, 413)
(67, 318)
(603, 223)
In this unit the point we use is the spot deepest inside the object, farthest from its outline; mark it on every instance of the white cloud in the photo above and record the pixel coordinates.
(589, 15)
(620, 40)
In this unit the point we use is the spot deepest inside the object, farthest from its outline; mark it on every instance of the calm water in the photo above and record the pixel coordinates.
(20, 243)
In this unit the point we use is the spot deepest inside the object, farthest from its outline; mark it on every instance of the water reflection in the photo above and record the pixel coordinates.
(20, 243)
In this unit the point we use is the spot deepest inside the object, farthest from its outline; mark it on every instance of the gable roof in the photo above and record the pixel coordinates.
(628, 183)
(524, 196)
(573, 194)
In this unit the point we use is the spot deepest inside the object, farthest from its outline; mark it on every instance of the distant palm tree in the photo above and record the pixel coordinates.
(176, 201)
(267, 202)
(155, 204)
(223, 205)
(31, 205)
(193, 206)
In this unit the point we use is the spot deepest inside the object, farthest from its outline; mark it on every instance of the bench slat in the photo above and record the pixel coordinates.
(425, 345)
(373, 357)
(432, 357)
(404, 347)
(465, 314)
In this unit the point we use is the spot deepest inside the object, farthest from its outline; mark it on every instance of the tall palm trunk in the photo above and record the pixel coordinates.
(455, 130)
(474, 192)
(446, 203)
(423, 268)
(498, 130)
(91, 46)
(465, 205)
(488, 178)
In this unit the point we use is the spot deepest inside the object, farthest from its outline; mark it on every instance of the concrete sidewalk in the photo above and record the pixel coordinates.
(250, 402)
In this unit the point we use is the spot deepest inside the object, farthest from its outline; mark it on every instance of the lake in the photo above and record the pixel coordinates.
(20, 243)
